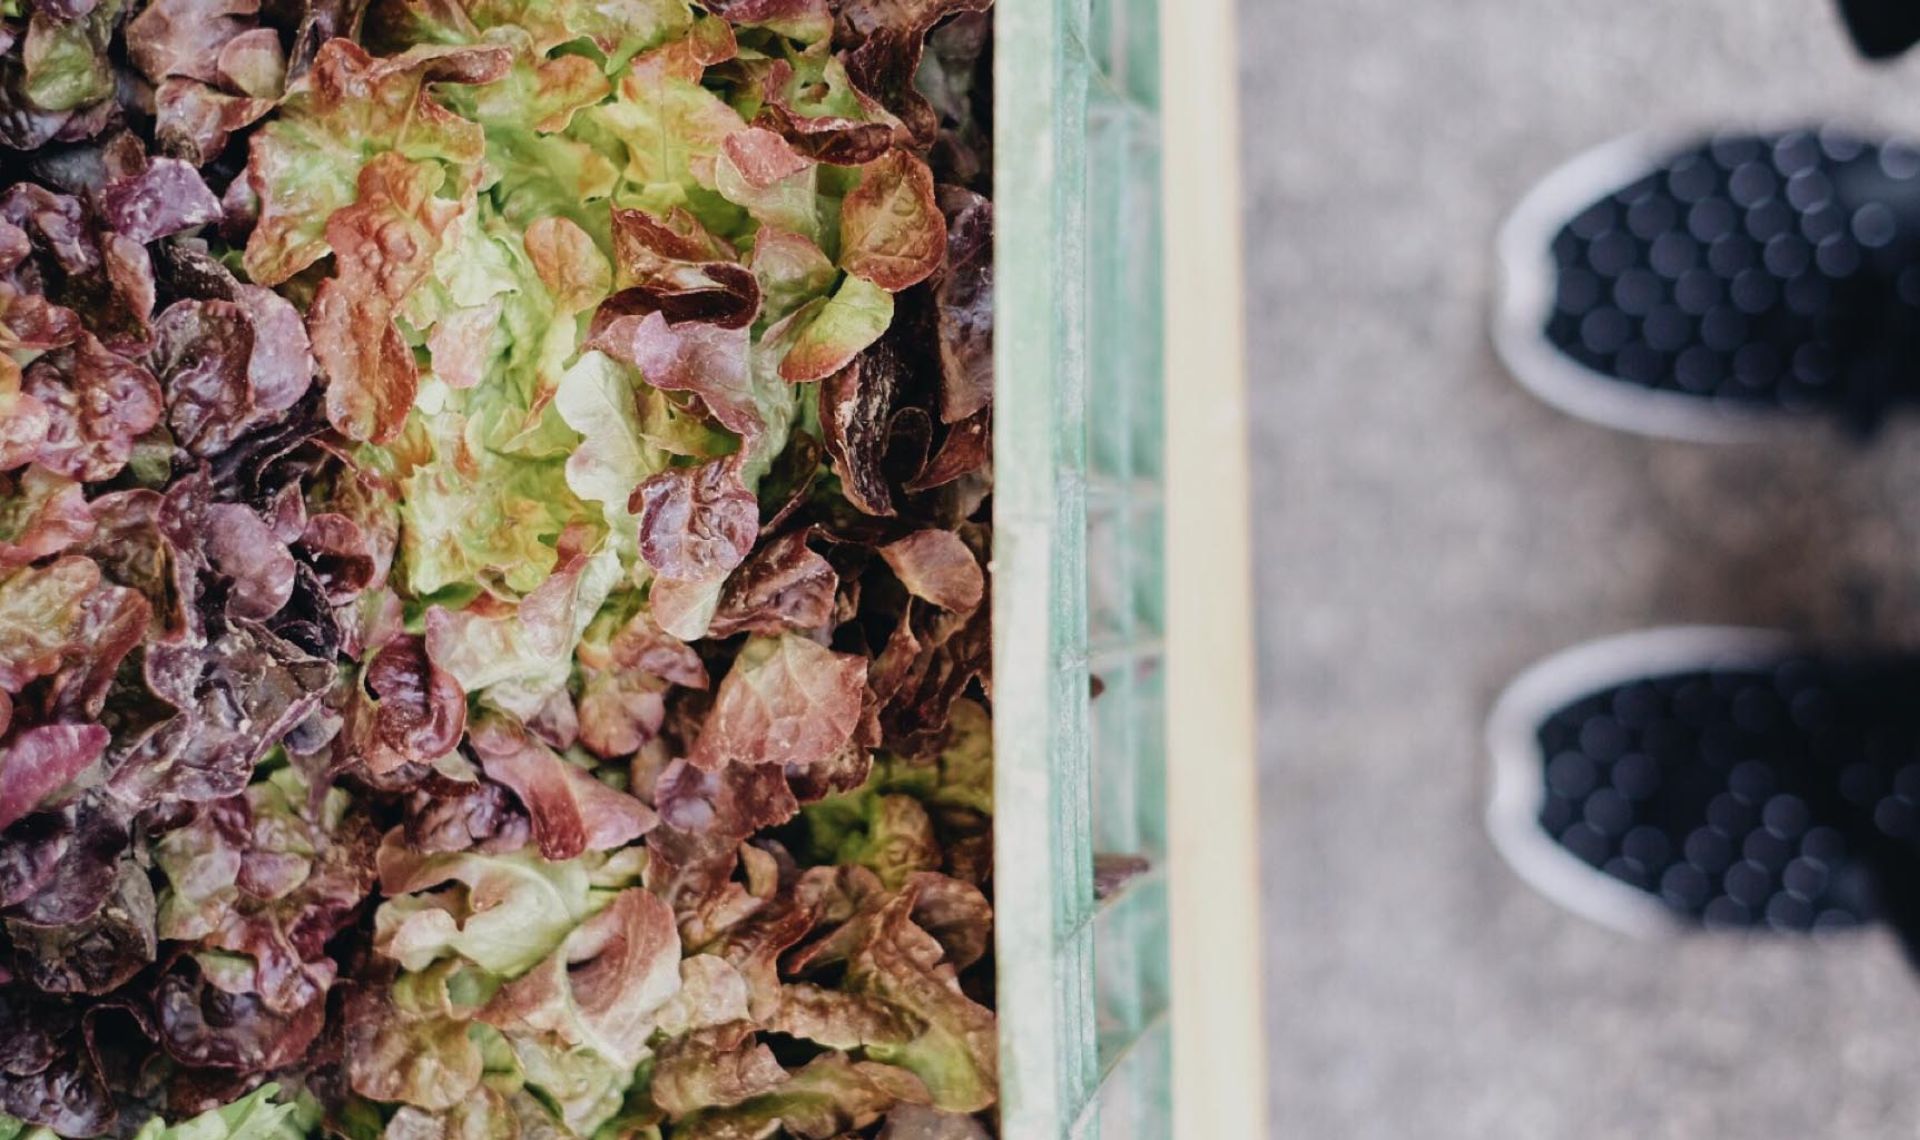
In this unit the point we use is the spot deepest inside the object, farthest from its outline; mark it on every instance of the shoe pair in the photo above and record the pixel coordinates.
(1719, 291)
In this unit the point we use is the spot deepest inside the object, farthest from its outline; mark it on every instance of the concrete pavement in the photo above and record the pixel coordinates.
(1425, 529)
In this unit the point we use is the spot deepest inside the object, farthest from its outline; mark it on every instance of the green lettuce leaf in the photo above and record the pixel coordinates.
(476, 517)
(600, 398)
(828, 334)
(66, 60)
(349, 108)
(260, 1115)
(537, 93)
(528, 646)
(673, 130)
(503, 912)
(619, 29)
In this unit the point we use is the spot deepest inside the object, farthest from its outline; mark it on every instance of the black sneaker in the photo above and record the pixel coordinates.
(1713, 777)
(1882, 29)
(1715, 290)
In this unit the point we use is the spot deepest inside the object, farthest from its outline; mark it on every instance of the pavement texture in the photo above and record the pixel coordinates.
(1425, 529)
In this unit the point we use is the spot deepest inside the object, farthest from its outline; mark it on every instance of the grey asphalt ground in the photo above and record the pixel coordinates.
(1425, 529)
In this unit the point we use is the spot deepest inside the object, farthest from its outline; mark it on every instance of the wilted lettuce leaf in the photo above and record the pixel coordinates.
(964, 294)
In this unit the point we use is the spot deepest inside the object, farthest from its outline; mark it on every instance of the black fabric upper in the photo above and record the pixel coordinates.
(1882, 29)
(1786, 798)
(1772, 270)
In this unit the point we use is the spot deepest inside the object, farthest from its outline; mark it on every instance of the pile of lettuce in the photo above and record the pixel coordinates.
(493, 547)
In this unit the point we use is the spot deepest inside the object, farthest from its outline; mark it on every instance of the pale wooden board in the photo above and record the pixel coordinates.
(1219, 1052)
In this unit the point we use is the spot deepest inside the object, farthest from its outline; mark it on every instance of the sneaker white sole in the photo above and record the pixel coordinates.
(1519, 782)
(1526, 300)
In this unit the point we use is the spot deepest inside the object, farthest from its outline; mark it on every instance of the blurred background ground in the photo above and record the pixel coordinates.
(1425, 529)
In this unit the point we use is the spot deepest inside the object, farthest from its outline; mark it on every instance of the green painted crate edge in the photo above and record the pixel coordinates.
(1081, 988)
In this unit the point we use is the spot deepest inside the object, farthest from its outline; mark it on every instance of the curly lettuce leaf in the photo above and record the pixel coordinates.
(476, 517)
(572, 812)
(348, 109)
(599, 399)
(502, 911)
(41, 514)
(260, 1115)
(66, 59)
(828, 1097)
(891, 229)
(673, 130)
(384, 243)
(618, 30)
(828, 334)
(788, 700)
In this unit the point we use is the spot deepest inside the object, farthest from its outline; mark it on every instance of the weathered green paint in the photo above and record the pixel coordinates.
(1077, 568)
